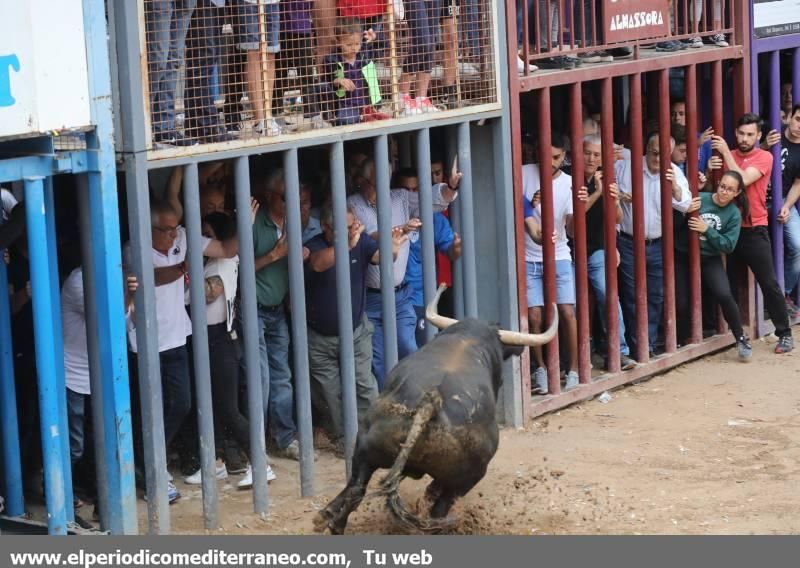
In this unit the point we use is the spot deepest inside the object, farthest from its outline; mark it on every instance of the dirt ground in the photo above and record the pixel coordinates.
(709, 448)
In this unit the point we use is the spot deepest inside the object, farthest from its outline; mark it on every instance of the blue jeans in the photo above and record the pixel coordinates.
(791, 243)
(176, 390)
(76, 415)
(542, 23)
(167, 24)
(597, 280)
(276, 376)
(406, 328)
(203, 49)
(628, 291)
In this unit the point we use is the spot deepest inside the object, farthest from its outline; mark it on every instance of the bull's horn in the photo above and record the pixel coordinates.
(531, 339)
(432, 311)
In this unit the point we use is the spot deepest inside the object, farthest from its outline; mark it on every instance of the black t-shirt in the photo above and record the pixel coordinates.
(790, 163)
(321, 304)
(595, 234)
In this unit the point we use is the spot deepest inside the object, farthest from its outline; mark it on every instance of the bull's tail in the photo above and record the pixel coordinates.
(430, 404)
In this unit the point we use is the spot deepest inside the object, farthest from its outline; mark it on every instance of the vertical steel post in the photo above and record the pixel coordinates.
(247, 289)
(695, 287)
(382, 178)
(548, 248)
(55, 460)
(459, 303)
(467, 221)
(58, 338)
(92, 337)
(9, 426)
(610, 226)
(667, 235)
(796, 75)
(297, 295)
(347, 370)
(426, 213)
(202, 369)
(637, 190)
(579, 220)
(777, 175)
(149, 366)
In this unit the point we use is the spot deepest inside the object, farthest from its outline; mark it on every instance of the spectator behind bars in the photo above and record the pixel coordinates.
(220, 294)
(444, 241)
(272, 284)
(311, 225)
(170, 269)
(351, 75)
(754, 248)
(76, 362)
(681, 198)
(678, 117)
(534, 259)
(405, 216)
(323, 320)
(789, 216)
(595, 236)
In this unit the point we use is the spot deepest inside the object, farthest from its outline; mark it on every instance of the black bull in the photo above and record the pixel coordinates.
(437, 417)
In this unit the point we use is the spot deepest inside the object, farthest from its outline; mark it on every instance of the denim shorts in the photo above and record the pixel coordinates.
(247, 30)
(565, 283)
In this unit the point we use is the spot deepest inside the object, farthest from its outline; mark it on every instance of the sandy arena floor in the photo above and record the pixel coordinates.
(711, 447)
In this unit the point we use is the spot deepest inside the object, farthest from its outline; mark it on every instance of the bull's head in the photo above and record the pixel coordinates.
(510, 338)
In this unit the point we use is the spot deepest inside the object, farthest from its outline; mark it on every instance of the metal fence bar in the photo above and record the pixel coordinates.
(102, 467)
(9, 426)
(382, 179)
(609, 226)
(294, 235)
(549, 253)
(202, 368)
(796, 99)
(637, 206)
(58, 338)
(467, 221)
(667, 234)
(426, 216)
(54, 459)
(459, 303)
(148, 363)
(695, 284)
(249, 312)
(777, 175)
(581, 253)
(347, 370)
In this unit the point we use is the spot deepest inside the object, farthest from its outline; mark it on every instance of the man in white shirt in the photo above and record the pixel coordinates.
(565, 277)
(174, 325)
(405, 216)
(681, 199)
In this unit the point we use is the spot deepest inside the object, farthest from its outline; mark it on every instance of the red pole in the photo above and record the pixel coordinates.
(526, 49)
(519, 230)
(579, 220)
(696, 335)
(610, 225)
(548, 248)
(536, 32)
(667, 236)
(637, 189)
(716, 122)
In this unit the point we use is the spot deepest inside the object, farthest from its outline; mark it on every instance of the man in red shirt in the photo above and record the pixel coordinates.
(754, 248)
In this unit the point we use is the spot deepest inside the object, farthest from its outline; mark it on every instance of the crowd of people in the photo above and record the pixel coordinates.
(730, 217)
(220, 246)
(266, 68)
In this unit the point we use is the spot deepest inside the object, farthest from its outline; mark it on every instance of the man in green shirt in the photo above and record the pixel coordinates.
(272, 283)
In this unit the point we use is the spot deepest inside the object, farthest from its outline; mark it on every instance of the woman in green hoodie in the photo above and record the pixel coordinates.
(718, 223)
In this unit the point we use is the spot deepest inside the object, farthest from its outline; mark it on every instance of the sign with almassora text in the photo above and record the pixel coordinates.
(629, 20)
(44, 83)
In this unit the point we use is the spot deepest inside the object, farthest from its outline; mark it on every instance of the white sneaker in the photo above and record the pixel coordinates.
(197, 477)
(247, 481)
(268, 127)
(469, 69)
(425, 105)
(521, 66)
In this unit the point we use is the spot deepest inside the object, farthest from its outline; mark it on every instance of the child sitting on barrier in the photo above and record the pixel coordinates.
(352, 76)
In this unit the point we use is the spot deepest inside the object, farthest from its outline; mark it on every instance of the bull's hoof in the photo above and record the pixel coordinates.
(323, 521)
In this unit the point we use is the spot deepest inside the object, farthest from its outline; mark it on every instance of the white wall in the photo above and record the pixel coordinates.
(43, 76)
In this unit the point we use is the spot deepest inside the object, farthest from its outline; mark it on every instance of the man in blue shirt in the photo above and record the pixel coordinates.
(444, 241)
(323, 319)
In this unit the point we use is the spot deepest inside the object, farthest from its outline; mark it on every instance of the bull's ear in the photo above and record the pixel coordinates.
(509, 350)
